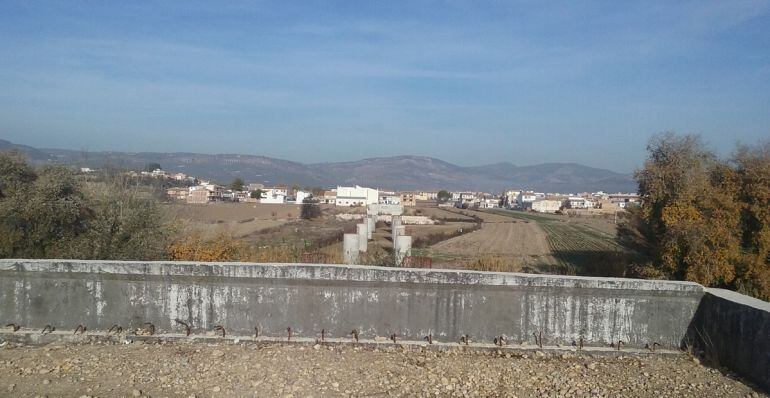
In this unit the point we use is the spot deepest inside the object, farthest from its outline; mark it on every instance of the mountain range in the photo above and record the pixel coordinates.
(397, 172)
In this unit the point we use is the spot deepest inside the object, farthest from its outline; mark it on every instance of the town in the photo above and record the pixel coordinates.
(385, 199)
(202, 192)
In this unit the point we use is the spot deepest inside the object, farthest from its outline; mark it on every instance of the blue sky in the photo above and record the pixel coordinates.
(471, 82)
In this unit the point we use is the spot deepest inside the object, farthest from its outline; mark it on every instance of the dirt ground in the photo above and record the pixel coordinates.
(184, 369)
(523, 243)
(238, 219)
(436, 213)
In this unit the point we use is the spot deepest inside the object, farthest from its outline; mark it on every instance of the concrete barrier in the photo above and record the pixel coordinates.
(374, 300)
(734, 330)
(729, 327)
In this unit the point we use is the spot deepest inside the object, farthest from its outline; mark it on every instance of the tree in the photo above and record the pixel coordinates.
(237, 184)
(14, 172)
(50, 214)
(443, 196)
(40, 213)
(150, 167)
(256, 194)
(686, 228)
(309, 209)
(753, 168)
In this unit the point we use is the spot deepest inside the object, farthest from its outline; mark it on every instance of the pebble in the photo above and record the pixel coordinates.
(188, 369)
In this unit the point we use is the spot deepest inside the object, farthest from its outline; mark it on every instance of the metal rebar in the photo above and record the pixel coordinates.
(48, 328)
(81, 329)
(354, 332)
(185, 324)
(14, 326)
(220, 328)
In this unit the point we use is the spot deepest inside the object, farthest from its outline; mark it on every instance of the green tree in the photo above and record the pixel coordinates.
(443, 196)
(126, 224)
(256, 194)
(150, 167)
(309, 209)
(40, 213)
(237, 184)
(50, 214)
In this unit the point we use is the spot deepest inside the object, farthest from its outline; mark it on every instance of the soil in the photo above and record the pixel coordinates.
(182, 369)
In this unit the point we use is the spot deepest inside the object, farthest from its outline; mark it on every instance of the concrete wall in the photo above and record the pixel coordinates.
(734, 330)
(374, 300)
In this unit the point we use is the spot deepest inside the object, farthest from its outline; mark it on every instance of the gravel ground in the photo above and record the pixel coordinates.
(202, 370)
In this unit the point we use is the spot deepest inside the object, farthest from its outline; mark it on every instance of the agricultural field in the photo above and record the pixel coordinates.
(513, 241)
(521, 242)
(580, 245)
(237, 219)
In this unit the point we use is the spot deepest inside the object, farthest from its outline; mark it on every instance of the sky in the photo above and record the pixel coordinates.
(472, 83)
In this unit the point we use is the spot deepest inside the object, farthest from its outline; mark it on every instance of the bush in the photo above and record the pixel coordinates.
(48, 213)
(309, 209)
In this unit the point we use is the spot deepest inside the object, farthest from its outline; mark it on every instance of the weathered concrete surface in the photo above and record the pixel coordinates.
(350, 248)
(377, 301)
(363, 237)
(734, 330)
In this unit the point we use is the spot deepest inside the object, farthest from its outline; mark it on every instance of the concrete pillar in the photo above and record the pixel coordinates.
(400, 230)
(395, 222)
(402, 247)
(350, 248)
(372, 220)
(362, 232)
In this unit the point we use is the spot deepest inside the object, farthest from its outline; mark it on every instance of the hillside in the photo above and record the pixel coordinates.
(398, 172)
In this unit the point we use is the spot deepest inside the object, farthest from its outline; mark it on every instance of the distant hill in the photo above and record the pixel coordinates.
(398, 172)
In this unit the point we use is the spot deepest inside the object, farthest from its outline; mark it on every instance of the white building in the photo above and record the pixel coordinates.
(489, 203)
(509, 197)
(329, 198)
(356, 196)
(273, 197)
(524, 199)
(576, 202)
(545, 205)
(390, 199)
(300, 196)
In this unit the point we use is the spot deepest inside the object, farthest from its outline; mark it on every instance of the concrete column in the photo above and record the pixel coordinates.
(350, 248)
(395, 222)
(402, 247)
(372, 220)
(400, 230)
(362, 232)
